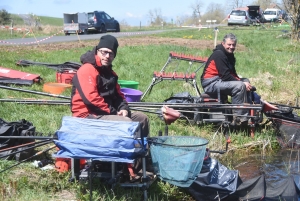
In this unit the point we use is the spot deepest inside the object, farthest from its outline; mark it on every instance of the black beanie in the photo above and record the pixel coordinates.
(110, 42)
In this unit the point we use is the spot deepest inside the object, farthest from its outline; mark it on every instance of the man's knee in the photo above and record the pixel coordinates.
(139, 116)
(239, 87)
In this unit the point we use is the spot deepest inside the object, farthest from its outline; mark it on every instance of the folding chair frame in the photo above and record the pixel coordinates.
(189, 78)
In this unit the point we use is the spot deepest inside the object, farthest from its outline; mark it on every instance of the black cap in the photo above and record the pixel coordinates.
(110, 42)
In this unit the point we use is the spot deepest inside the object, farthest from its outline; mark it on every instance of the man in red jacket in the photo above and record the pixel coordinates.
(219, 75)
(96, 93)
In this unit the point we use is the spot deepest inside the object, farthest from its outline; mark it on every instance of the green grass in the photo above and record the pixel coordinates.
(263, 58)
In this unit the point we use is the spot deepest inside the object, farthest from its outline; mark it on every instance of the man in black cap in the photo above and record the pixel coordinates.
(96, 93)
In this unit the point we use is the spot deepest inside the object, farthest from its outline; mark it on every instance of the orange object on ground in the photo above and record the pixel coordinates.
(55, 88)
(63, 164)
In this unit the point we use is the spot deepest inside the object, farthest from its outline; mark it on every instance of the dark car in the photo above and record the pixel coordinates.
(100, 21)
(255, 13)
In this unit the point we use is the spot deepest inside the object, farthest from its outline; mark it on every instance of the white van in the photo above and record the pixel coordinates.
(272, 15)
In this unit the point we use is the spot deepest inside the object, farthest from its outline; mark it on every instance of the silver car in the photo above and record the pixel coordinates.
(239, 17)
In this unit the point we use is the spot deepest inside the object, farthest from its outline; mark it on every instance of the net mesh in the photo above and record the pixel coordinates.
(178, 159)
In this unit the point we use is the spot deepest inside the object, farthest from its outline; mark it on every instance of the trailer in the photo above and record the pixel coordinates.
(75, 23)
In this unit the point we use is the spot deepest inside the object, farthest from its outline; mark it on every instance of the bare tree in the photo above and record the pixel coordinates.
(293, 8)
(196, 6)
(155, 16)
(214, 12)
(264, 4)
(150, 15)
(237, 3)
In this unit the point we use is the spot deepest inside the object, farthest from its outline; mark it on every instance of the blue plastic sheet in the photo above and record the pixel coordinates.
(98, 140)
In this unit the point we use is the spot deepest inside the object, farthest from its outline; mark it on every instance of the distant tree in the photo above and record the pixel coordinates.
(236, 3)
(196, 7)
(264, 4)
(4, 17)
(214, 12)
(155, 17)
(293, 8)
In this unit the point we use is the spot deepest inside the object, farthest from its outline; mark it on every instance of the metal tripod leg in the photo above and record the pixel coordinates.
(196, 87)
(154, 82)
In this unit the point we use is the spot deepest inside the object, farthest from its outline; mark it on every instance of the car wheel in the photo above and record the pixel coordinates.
(67, 34)
(118, 28)
(85, 32)
(102, 29)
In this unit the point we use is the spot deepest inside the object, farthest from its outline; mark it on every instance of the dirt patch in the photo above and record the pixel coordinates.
(126, 41)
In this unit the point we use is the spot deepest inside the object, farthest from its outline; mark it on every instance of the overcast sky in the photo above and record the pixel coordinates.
(132, 11)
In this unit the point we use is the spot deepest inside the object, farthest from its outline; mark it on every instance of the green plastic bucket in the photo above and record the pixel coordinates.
(128, 84)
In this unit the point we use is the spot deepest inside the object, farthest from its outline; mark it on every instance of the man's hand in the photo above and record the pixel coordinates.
(123, 113)
(248, 86)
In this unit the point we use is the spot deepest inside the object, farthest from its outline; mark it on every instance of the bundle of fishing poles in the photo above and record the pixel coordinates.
(38, 141)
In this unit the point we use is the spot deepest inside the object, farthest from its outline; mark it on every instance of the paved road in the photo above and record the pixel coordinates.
(73, 37)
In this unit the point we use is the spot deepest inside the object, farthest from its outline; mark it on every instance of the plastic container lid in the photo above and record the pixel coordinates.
(55, 88)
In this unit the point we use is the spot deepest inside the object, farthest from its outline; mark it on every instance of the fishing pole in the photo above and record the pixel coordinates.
(36, 101)
(38, 153)
(28, 137)
(15, 152)
(194, 112)
(35, 92)
(284, 105)
(195, 105)
(22, 145)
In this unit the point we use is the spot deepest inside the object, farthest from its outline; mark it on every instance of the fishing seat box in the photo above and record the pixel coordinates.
(65, 76)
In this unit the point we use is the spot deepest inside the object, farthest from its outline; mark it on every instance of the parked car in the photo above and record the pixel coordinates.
(272, 15)
(239, 17)
(251, 14)
(100, 21)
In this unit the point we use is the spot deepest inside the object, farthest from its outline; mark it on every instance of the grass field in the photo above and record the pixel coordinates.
(264, 55)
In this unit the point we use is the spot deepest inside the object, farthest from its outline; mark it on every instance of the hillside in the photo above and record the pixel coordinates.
(29, 19)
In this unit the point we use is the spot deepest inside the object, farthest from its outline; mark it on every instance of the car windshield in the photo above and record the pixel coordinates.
(269, 12)
(238, 13)
(90, 15)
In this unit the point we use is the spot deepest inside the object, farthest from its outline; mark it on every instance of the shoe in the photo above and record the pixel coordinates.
(236, 121)
(134, 178)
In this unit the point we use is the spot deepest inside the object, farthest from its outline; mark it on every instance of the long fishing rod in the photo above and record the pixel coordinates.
(38, 153)
(195, 105)
(28, 137)
(148, 104)
(34, 92)
(22, 145)
(284, 105)
(33, 100)
(194, 112)
(29, 148)
(39, 102)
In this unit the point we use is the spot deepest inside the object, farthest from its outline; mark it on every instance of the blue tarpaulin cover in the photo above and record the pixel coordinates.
(98, 140)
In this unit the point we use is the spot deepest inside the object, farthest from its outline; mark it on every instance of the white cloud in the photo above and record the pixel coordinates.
(129, 14)
(62, 1)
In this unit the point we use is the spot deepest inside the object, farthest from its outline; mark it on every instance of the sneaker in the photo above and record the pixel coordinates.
(134, 178)
(236, 121)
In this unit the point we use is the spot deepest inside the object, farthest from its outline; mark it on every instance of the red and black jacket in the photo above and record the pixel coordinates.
(220, 65)
(95, 89)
